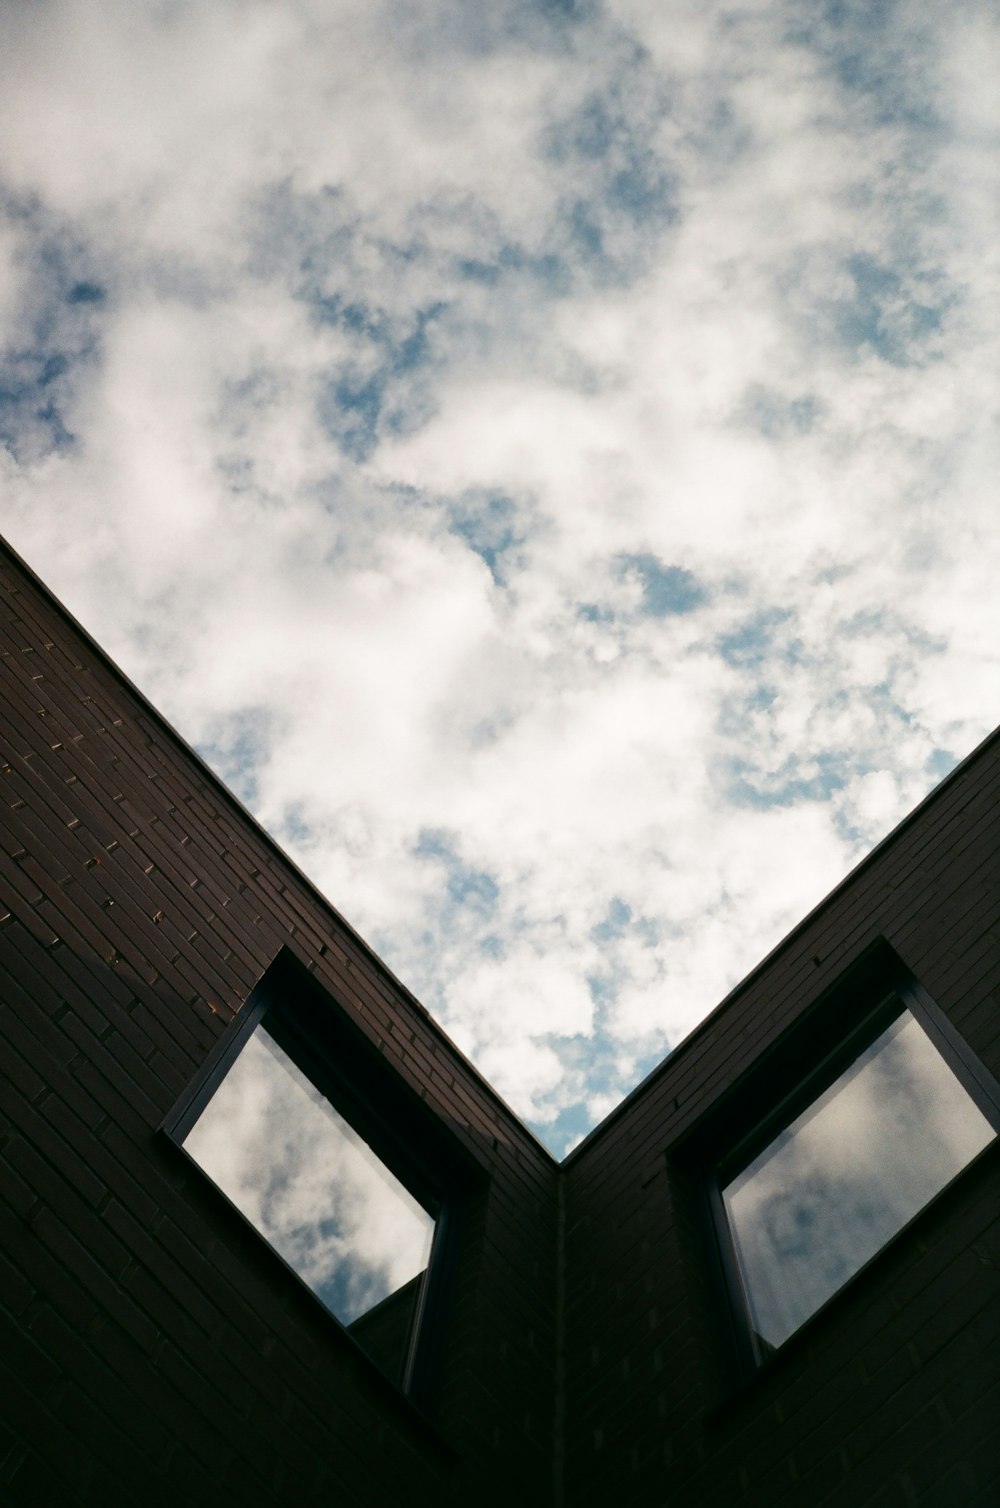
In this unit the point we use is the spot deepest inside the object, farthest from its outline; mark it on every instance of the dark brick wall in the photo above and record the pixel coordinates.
(153, 1350)
(892, 1396)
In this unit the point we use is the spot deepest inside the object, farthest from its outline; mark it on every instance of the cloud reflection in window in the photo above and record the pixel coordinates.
(314, 1189)
(847, 1174)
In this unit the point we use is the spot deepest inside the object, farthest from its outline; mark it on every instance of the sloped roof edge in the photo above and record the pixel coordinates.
(693, 1036)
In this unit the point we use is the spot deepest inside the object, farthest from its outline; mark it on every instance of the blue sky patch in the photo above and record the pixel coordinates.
(778, 417)
(591, 612)
(351, 314)
(60, 311)
(351, 410)
(364, 399)
(614, 133)
(626, 194)
(466, 887)
(750, 786)
(32, 404)
(940, 764)
(543, 271)
(666, 589)
(489, 526)
(756, 641)
(882, 314)
(86, 293)
(615, 923)
(239, 751)
(875, 53)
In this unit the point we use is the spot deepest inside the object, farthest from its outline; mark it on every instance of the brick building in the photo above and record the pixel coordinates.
(771, 1277)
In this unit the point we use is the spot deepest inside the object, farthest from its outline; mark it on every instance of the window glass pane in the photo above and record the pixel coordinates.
(309, 1183)
(844, 1177)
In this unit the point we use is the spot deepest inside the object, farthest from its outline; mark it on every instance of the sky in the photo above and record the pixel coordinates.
(542, 455)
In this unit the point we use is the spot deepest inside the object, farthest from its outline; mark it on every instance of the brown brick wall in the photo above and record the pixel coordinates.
(893, 1394)
(153, 1350)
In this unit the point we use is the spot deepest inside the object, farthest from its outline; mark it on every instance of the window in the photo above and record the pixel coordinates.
(823, 1183)
(320, 1148)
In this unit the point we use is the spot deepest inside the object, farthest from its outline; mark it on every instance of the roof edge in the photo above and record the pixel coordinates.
(397, 984)
(247, 816)
(708, 1021)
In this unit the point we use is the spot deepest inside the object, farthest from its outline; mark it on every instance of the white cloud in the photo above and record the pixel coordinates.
(405, 333)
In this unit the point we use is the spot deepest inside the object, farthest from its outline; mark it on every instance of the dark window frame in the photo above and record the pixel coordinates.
(809, 1057)
(330, 1049)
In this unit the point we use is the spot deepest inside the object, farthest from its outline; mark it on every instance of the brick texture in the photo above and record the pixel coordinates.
(890, 1395)
(154, 1351)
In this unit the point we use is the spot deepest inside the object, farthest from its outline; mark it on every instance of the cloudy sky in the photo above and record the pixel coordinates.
(543, 455)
